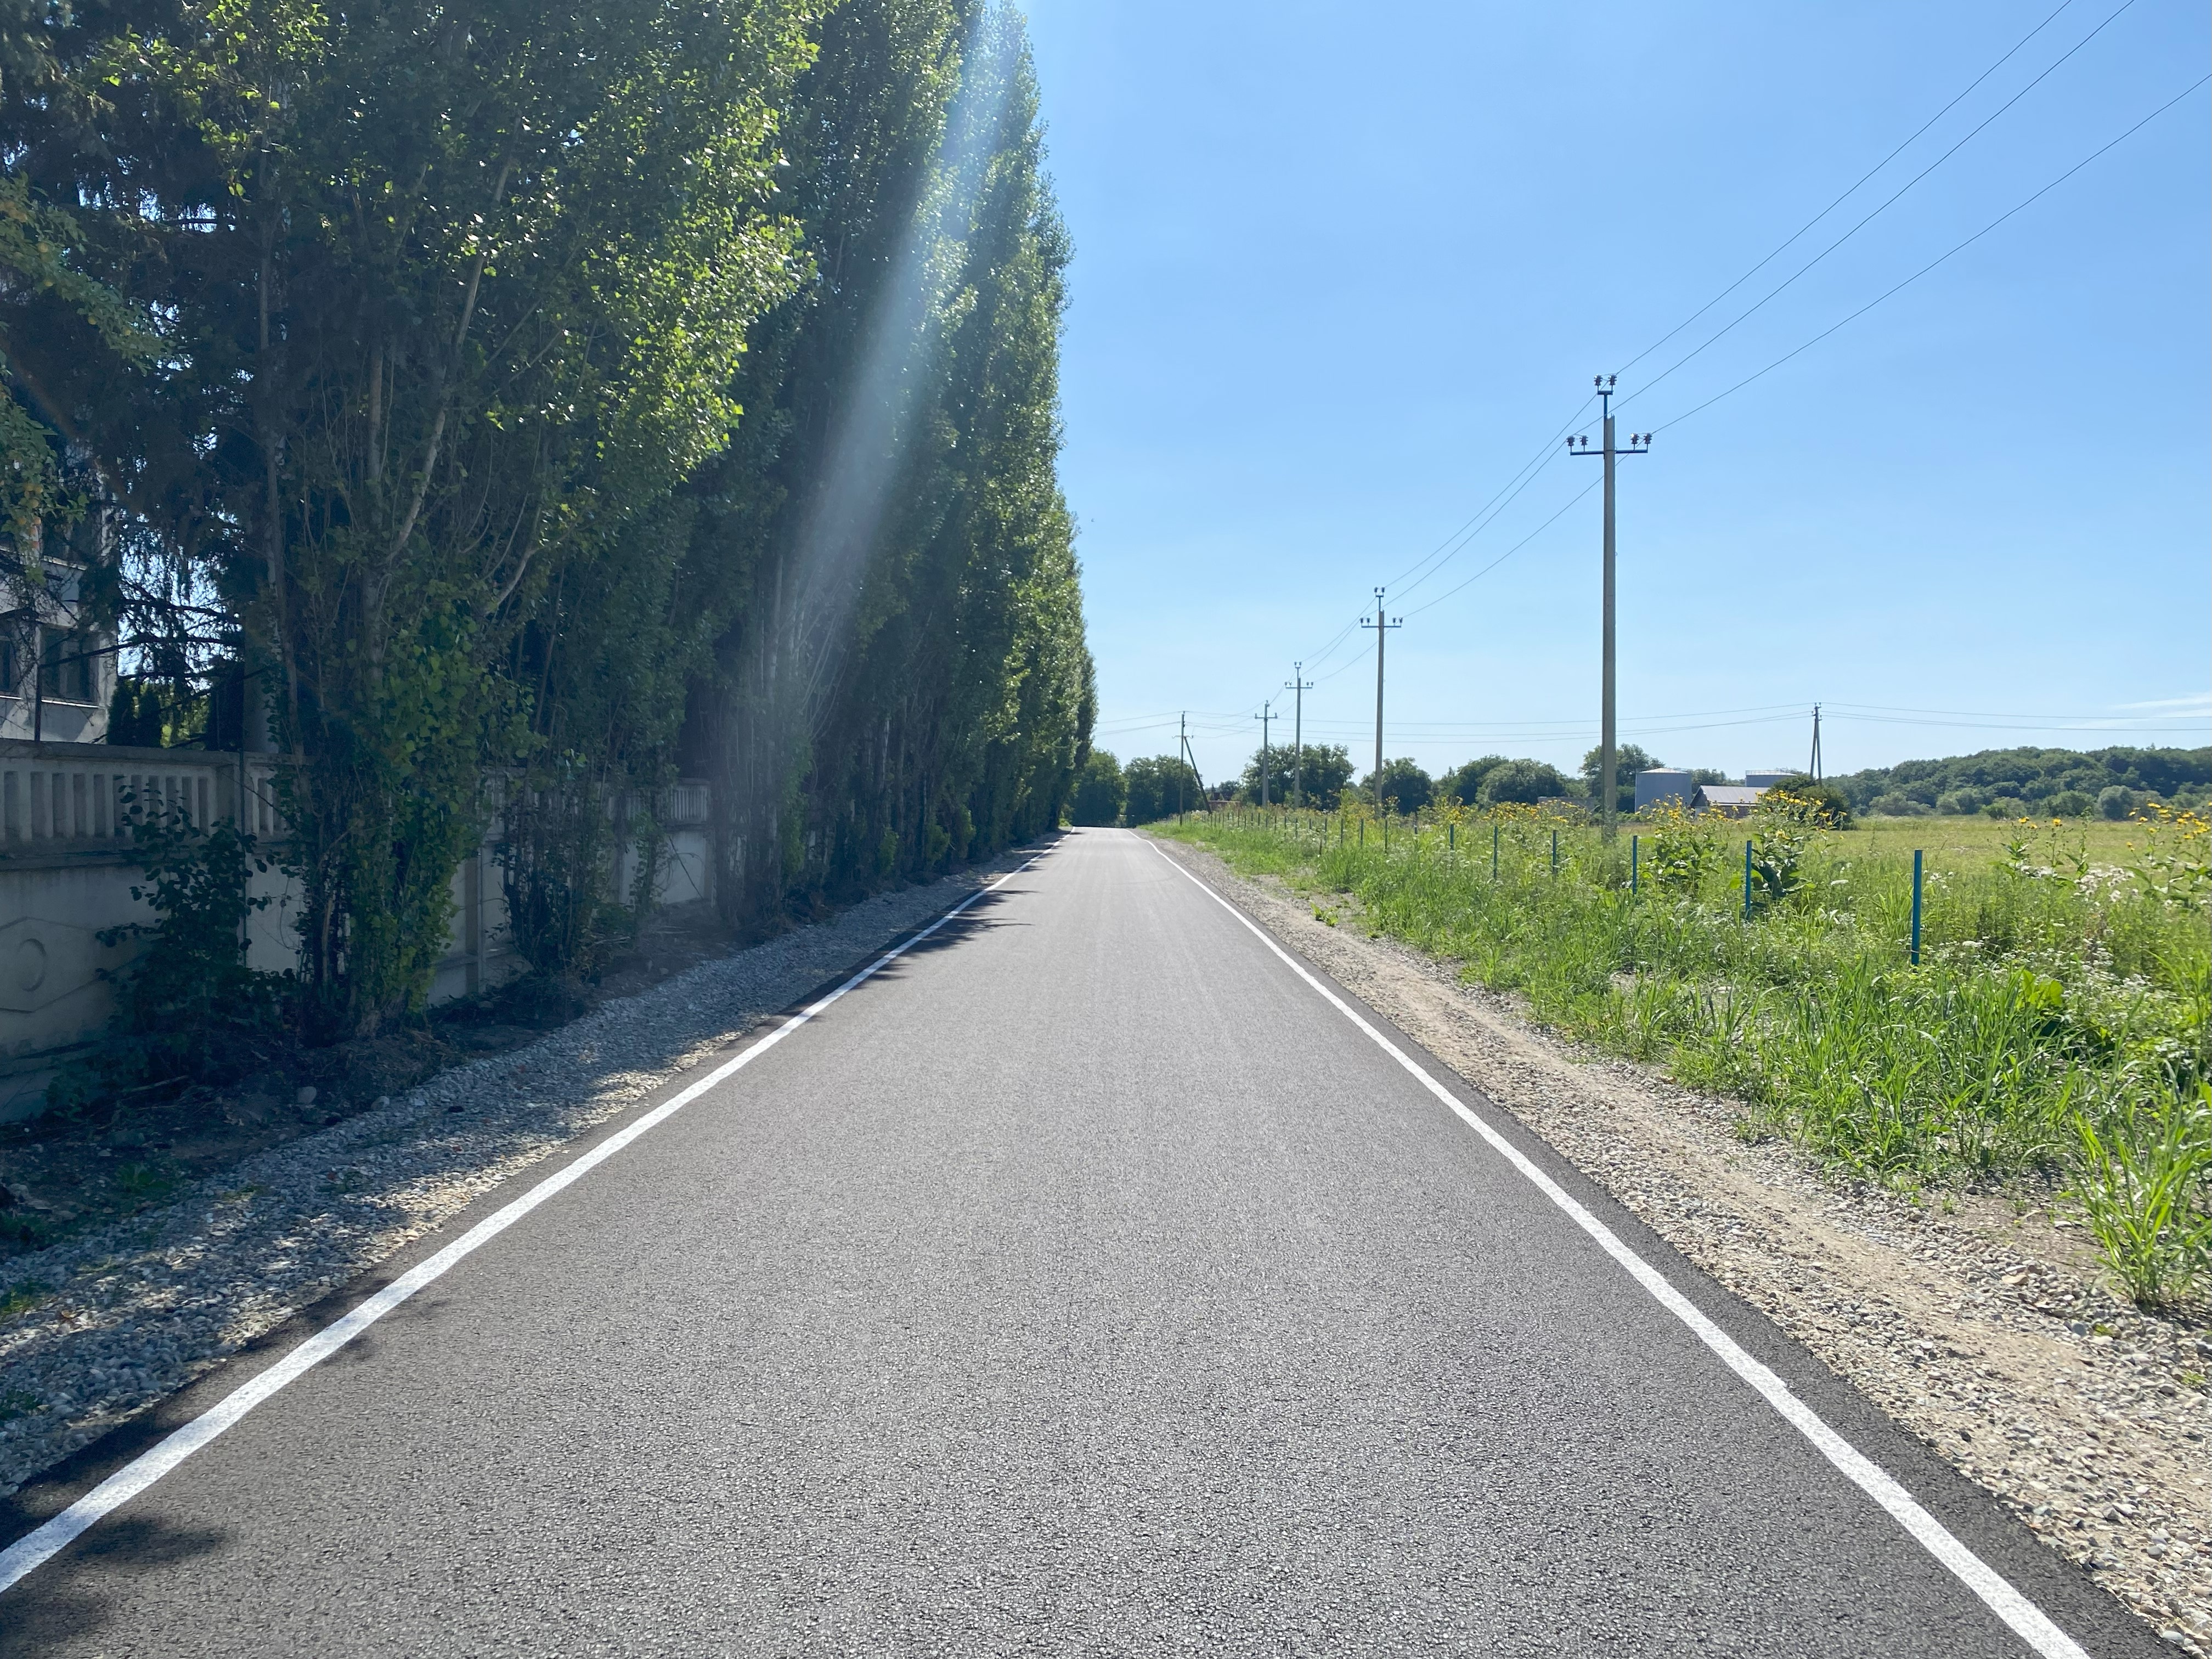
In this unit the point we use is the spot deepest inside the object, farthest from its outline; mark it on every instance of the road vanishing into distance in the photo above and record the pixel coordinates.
(1085, 1280)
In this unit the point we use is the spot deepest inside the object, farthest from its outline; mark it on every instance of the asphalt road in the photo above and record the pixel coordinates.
(1082, 1283)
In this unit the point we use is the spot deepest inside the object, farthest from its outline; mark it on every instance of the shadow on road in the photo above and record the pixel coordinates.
(74, 1595)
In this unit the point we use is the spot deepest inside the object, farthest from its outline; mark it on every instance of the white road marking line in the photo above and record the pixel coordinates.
(35, 1548)
(2028, 1621)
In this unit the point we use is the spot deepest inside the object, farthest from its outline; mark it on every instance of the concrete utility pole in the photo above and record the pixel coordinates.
(1381, 625)
(1182, 743)
(1298, 684)
(1189, 756)
(1267, 713)
(1814, 772)
(1640, 443)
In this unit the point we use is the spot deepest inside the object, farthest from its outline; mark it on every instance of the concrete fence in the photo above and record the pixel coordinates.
(66, 875)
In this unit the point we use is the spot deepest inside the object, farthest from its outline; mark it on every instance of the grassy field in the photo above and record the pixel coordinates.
(2053, 1032)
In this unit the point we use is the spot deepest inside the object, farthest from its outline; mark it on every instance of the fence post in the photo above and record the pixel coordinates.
(1916, 907)
(1747, 881)
(1493, 852)
(1632, 858)
(1555, 852)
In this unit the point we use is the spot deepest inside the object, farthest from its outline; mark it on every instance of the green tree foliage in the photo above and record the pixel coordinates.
(1159, 788)
(903, 679)
(1524, 781)
(1628, 759)
(1100, 790)
(1463, 783)
(1325, 770)
(530, 404)
(2026, 778)
(1318, 774)
(1401, 781)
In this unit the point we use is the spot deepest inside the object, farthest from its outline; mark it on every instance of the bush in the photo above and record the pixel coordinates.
(1524, 782)
(1961, 803)
(2115, 801)
(190, 1008)
(1808, 799)
(2071, 804)
(1100, 790)
(1895, 806)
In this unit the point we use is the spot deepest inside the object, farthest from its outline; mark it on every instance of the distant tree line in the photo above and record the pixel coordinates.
(531, 404)
(2111, 782)
(2011, 782)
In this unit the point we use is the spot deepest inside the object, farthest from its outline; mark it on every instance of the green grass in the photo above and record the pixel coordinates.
(17, 1298)
(2053, 1032)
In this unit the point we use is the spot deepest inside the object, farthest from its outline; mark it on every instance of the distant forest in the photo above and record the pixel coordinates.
(2068, 782)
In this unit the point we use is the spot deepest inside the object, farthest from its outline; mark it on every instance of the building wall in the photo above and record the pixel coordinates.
(66, 875)
(1662, 783)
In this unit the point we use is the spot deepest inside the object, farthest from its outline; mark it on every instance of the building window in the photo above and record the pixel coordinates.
(11, 657)
(71, 667)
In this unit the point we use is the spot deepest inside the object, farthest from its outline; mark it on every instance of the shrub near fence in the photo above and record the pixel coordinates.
(2053, 1032)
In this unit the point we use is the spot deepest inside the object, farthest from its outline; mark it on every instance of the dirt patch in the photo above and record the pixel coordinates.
(1979, 1323)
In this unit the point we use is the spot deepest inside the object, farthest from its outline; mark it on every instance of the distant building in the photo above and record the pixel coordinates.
(1663, 784)
(1730, 800)
(1767, 779)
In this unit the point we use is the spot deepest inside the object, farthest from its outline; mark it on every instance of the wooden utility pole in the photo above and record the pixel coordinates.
(1267, 714)
(1640, 443)
(1381, 625)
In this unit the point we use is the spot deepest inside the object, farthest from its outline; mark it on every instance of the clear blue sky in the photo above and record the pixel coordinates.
(1340, 271)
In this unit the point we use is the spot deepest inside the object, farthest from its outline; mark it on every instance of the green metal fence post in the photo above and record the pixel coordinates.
(1555, 852)
(1493, 852)
(1916, 907)
(1747, 881)
(1632, 852)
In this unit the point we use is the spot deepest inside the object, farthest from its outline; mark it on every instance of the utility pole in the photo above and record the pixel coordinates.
(1182, 743)
(1640, 443)
(1381, 625)
(1189, 756)
(1815, 772)
(1299, 684)
(1267, 713)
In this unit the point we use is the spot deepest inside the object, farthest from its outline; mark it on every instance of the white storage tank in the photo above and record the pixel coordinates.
(1665, 783)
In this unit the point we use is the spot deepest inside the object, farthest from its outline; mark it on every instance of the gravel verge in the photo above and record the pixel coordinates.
(1985, 1331)
(120, 1317)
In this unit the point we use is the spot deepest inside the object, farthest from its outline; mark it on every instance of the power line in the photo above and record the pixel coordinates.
(1959, 248)
(1414, 575)
(1483, 515)
(1877, 212)
(1511, 550)
(1792, 239)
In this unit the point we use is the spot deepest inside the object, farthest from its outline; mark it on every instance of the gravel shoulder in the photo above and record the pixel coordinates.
(1977, 1323)
(97, 1328)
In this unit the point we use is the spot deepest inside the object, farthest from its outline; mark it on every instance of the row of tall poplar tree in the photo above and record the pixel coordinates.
(535, 404)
